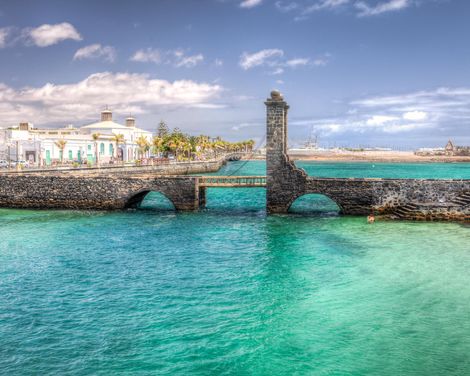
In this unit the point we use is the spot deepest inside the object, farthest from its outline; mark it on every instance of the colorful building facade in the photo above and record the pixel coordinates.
(91, 143)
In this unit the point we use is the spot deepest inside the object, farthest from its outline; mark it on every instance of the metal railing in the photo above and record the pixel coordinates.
(67, 167)
(232, 181)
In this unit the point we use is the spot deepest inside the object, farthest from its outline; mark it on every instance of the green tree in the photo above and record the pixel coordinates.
(143, 144)
(95, 137)
(157, 144)
(118, 139)
(162, 130)
(61, 145)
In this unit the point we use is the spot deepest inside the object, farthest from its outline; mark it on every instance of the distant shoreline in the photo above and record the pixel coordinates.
(371, 156)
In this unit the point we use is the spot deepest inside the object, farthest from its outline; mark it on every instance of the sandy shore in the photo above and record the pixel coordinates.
(372, 156)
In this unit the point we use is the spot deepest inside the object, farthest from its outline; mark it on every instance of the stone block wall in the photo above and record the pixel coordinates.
(424, 199)
(180, 168)
(94, 192)
(398, 198)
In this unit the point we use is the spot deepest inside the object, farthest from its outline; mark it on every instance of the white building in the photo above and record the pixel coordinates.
(73, 145)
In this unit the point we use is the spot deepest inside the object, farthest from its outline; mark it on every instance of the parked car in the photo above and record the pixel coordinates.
(3, 164)
(22, 163)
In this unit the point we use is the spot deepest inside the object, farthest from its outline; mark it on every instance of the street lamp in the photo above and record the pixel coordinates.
(9, 145)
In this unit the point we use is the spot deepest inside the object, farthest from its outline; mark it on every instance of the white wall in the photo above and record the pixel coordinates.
(43, 145)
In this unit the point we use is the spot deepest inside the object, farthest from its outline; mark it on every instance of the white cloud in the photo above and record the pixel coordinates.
(374, 124)
(218, 62)
(377, 120)
(322, 61)
(387, 6)
(297, 62)
(415, 115)
(328, 128)
(304, 8)
(147, 56)
(48, 35)
(123, 92)
(286, 7)
(400, 128)
(177, 57)
(277, 71)
(439, 111)
(95, 51)
(324, 5)
(421, 99)
(189, 61)
(250, 3)
(208, 106)
(4, 32)
(263, 57)
(246, 125)
(272, 58)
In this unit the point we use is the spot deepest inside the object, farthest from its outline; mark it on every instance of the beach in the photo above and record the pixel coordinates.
(371, 156)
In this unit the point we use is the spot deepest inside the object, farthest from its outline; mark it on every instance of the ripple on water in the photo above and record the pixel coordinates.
(231, 291)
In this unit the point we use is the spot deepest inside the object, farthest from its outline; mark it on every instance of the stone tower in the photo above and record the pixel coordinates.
(106, 115)
(284, 181)
(130, 122)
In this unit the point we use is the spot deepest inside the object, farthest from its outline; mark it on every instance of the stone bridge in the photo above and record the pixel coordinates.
(110, 188)
(284, 182)
(400, 198)
(95, 192)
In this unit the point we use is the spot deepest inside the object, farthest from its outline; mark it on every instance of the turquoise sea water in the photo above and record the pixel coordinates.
(231, 291)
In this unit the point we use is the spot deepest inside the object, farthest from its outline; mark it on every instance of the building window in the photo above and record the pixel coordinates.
(89, 147)
(111, 149)
(102, 149)
(70, 155)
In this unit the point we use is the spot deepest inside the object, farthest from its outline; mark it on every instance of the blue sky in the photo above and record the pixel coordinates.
(371, 72)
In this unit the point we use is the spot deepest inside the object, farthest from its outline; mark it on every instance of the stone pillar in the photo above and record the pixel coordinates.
(276, 127)
(284, 181)
(202, 197)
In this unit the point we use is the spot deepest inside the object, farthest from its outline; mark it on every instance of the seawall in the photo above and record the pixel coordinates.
(179, 168)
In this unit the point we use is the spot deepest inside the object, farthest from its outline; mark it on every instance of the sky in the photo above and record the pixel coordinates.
(389, 73)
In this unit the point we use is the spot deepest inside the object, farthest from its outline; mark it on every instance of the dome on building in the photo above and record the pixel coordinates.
(106, 122)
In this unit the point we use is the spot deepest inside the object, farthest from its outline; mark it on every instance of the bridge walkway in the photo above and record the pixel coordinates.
(232, 181)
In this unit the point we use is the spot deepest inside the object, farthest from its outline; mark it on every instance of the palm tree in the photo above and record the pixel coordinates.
(171, 145)
(61, 145)
(250, 144)
(203, 144)
(188, 148)
(157, 144)
(180, 147)
(118, 139)
(95, 137)
(217, 145)
(143, 144)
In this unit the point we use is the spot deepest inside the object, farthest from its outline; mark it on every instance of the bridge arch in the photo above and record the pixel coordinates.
(135, 199)
(313, 202)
